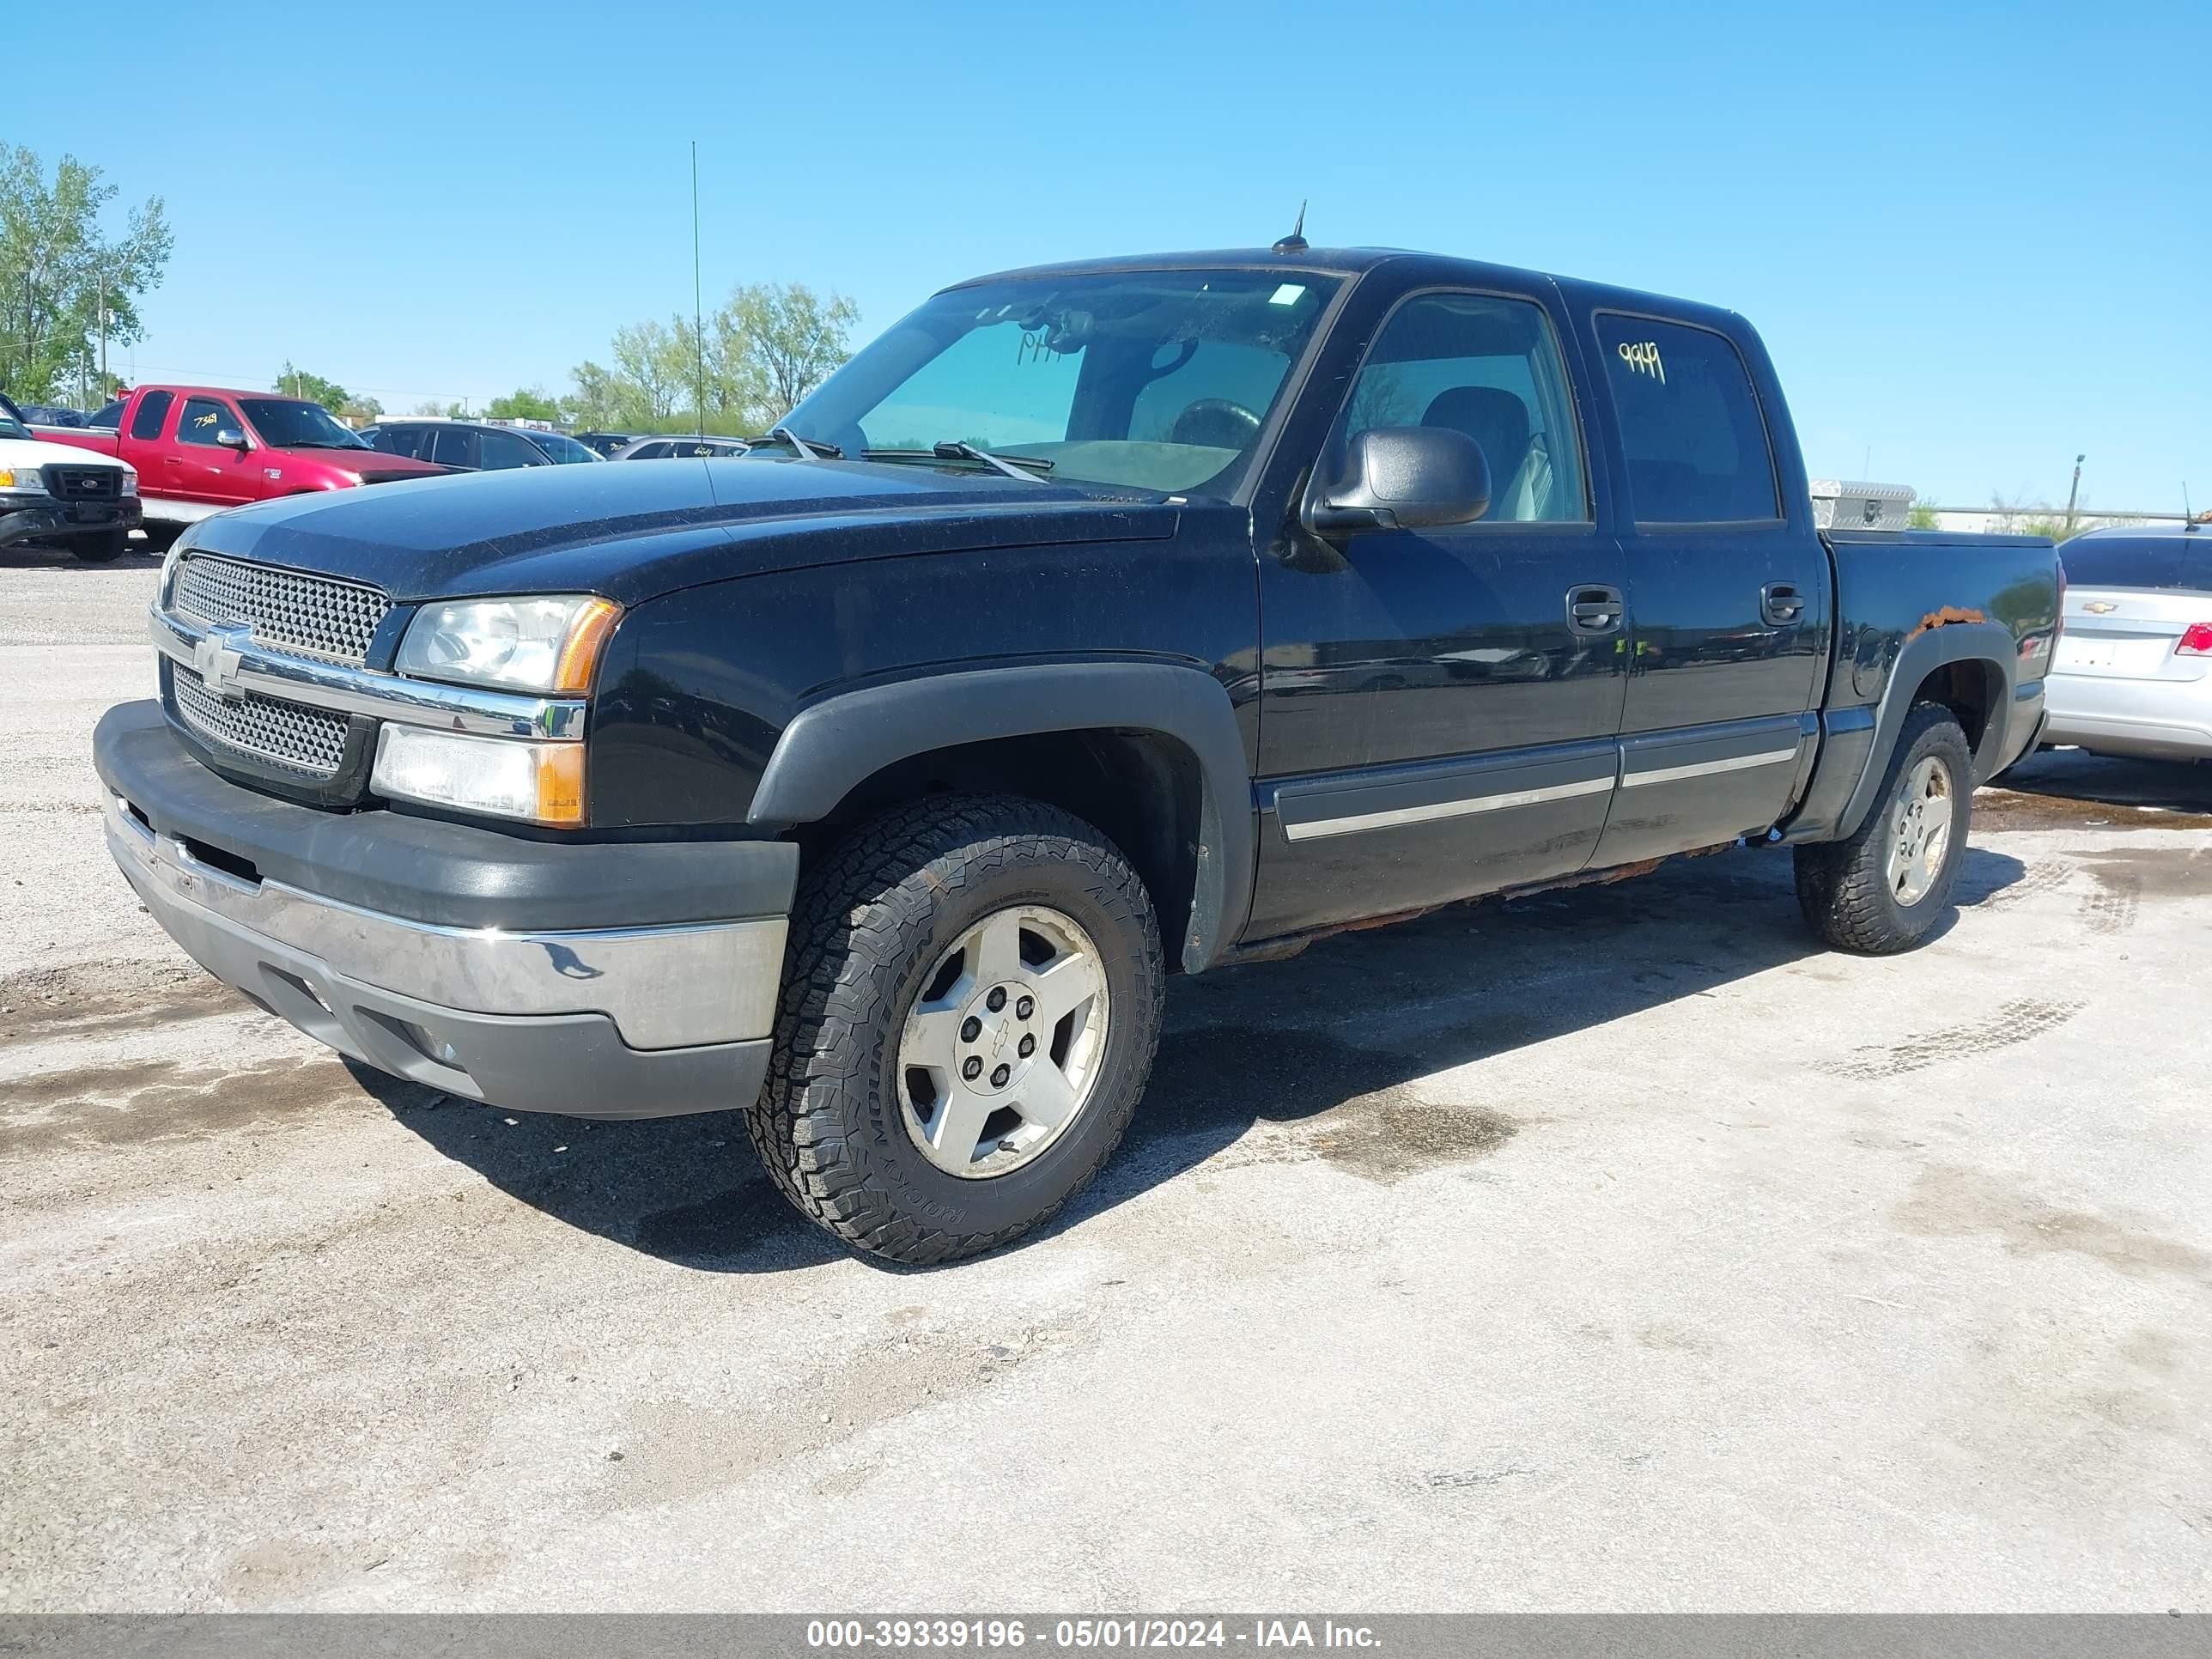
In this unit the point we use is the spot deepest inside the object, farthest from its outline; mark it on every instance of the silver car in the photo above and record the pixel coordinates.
(2133, 674)
(662, 449)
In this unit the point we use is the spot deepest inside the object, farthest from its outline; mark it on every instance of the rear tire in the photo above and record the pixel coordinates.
(101, 550)
(899, 937)
(1879, 891)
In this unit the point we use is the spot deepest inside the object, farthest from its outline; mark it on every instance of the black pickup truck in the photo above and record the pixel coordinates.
(1098, 621)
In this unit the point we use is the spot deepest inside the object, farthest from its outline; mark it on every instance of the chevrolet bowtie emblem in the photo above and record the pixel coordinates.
(216, 658)
(2100, 607)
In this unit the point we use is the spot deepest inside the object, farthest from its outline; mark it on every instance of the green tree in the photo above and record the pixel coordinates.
(1921, 515)
(355, 407)
(761, 352)
(298, 383)
(60, 276)
(523, 403)
(788, 339)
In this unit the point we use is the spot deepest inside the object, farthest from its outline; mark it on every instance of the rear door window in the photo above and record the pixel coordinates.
(453, 445)
(398, 440)
(203, 419)
(1690, 423)
(504, 449)
(146, 420)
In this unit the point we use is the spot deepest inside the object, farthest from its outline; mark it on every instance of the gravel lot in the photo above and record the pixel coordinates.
(1612, 1249)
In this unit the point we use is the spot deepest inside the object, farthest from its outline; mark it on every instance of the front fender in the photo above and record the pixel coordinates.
(831, 746)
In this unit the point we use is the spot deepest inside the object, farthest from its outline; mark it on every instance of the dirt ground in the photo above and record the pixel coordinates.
(1617, 1249)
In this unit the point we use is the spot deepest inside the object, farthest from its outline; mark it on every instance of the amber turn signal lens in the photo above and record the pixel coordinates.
(561, 784)
(587, 636)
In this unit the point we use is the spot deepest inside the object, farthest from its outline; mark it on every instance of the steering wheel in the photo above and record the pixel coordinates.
(1216, 423)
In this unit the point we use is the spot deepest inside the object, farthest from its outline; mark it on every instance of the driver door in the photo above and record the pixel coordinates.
(202, 470)
(1440, 708)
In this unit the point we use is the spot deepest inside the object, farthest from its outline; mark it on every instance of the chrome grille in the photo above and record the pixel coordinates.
(314, 616)
(308, 741)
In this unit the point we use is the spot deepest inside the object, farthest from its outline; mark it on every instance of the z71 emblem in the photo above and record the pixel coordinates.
(217, 656)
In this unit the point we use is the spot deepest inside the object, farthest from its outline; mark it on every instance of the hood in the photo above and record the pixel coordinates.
(373, 465)
(629, 531)
(37, 452)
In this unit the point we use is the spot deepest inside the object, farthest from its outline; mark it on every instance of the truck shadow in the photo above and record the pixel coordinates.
(1322, 1055)
(2066, 788)
(24, 556)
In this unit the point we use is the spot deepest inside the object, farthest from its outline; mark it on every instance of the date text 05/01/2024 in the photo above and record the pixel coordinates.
(995, 1634)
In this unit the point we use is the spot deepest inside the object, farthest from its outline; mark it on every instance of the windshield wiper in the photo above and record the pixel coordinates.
(958, 449)
(808, 449)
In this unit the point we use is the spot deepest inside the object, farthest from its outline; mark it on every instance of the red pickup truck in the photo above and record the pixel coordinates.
(200, 449)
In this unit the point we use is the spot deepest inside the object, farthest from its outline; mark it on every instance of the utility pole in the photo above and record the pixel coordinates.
(2073, 495)
(698, 310)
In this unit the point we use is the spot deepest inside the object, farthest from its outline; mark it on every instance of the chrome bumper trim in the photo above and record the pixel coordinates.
(663, 987)
(227, 659)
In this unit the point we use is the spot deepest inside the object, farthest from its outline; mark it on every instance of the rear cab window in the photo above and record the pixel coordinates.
(1691, 426)
(147, 419)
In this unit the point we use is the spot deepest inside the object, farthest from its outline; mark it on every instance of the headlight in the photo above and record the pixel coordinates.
(528, 645)
(542, 782)
(28, 479)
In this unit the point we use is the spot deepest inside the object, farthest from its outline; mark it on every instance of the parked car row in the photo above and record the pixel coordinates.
(196, 450)
(202, 449)
(474, 446)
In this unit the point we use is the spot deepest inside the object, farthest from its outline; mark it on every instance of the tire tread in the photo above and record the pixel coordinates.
(853, 929)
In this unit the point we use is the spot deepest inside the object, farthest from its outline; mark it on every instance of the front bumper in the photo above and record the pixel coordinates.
(39, 521)
(540, 976)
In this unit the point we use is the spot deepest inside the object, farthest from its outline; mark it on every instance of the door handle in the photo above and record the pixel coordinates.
(1594, 610)
(1781, 605)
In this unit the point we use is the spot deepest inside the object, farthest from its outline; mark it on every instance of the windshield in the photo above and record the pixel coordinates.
(562, 449)
(1155, 379)
(285, 423)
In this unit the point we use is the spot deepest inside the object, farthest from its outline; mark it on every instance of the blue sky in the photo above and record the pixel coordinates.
(1976, 238)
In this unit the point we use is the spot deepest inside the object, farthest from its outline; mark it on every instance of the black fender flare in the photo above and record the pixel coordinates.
(1922, 655)
(833, 746)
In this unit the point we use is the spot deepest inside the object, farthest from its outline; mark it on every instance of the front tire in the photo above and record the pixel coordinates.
(1880, 891)
(971, 1004)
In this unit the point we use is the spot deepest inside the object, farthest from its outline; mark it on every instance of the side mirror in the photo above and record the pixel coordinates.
(230, 437)
(1399, 477)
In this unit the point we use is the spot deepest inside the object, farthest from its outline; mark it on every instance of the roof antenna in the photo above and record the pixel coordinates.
(1296, 241)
